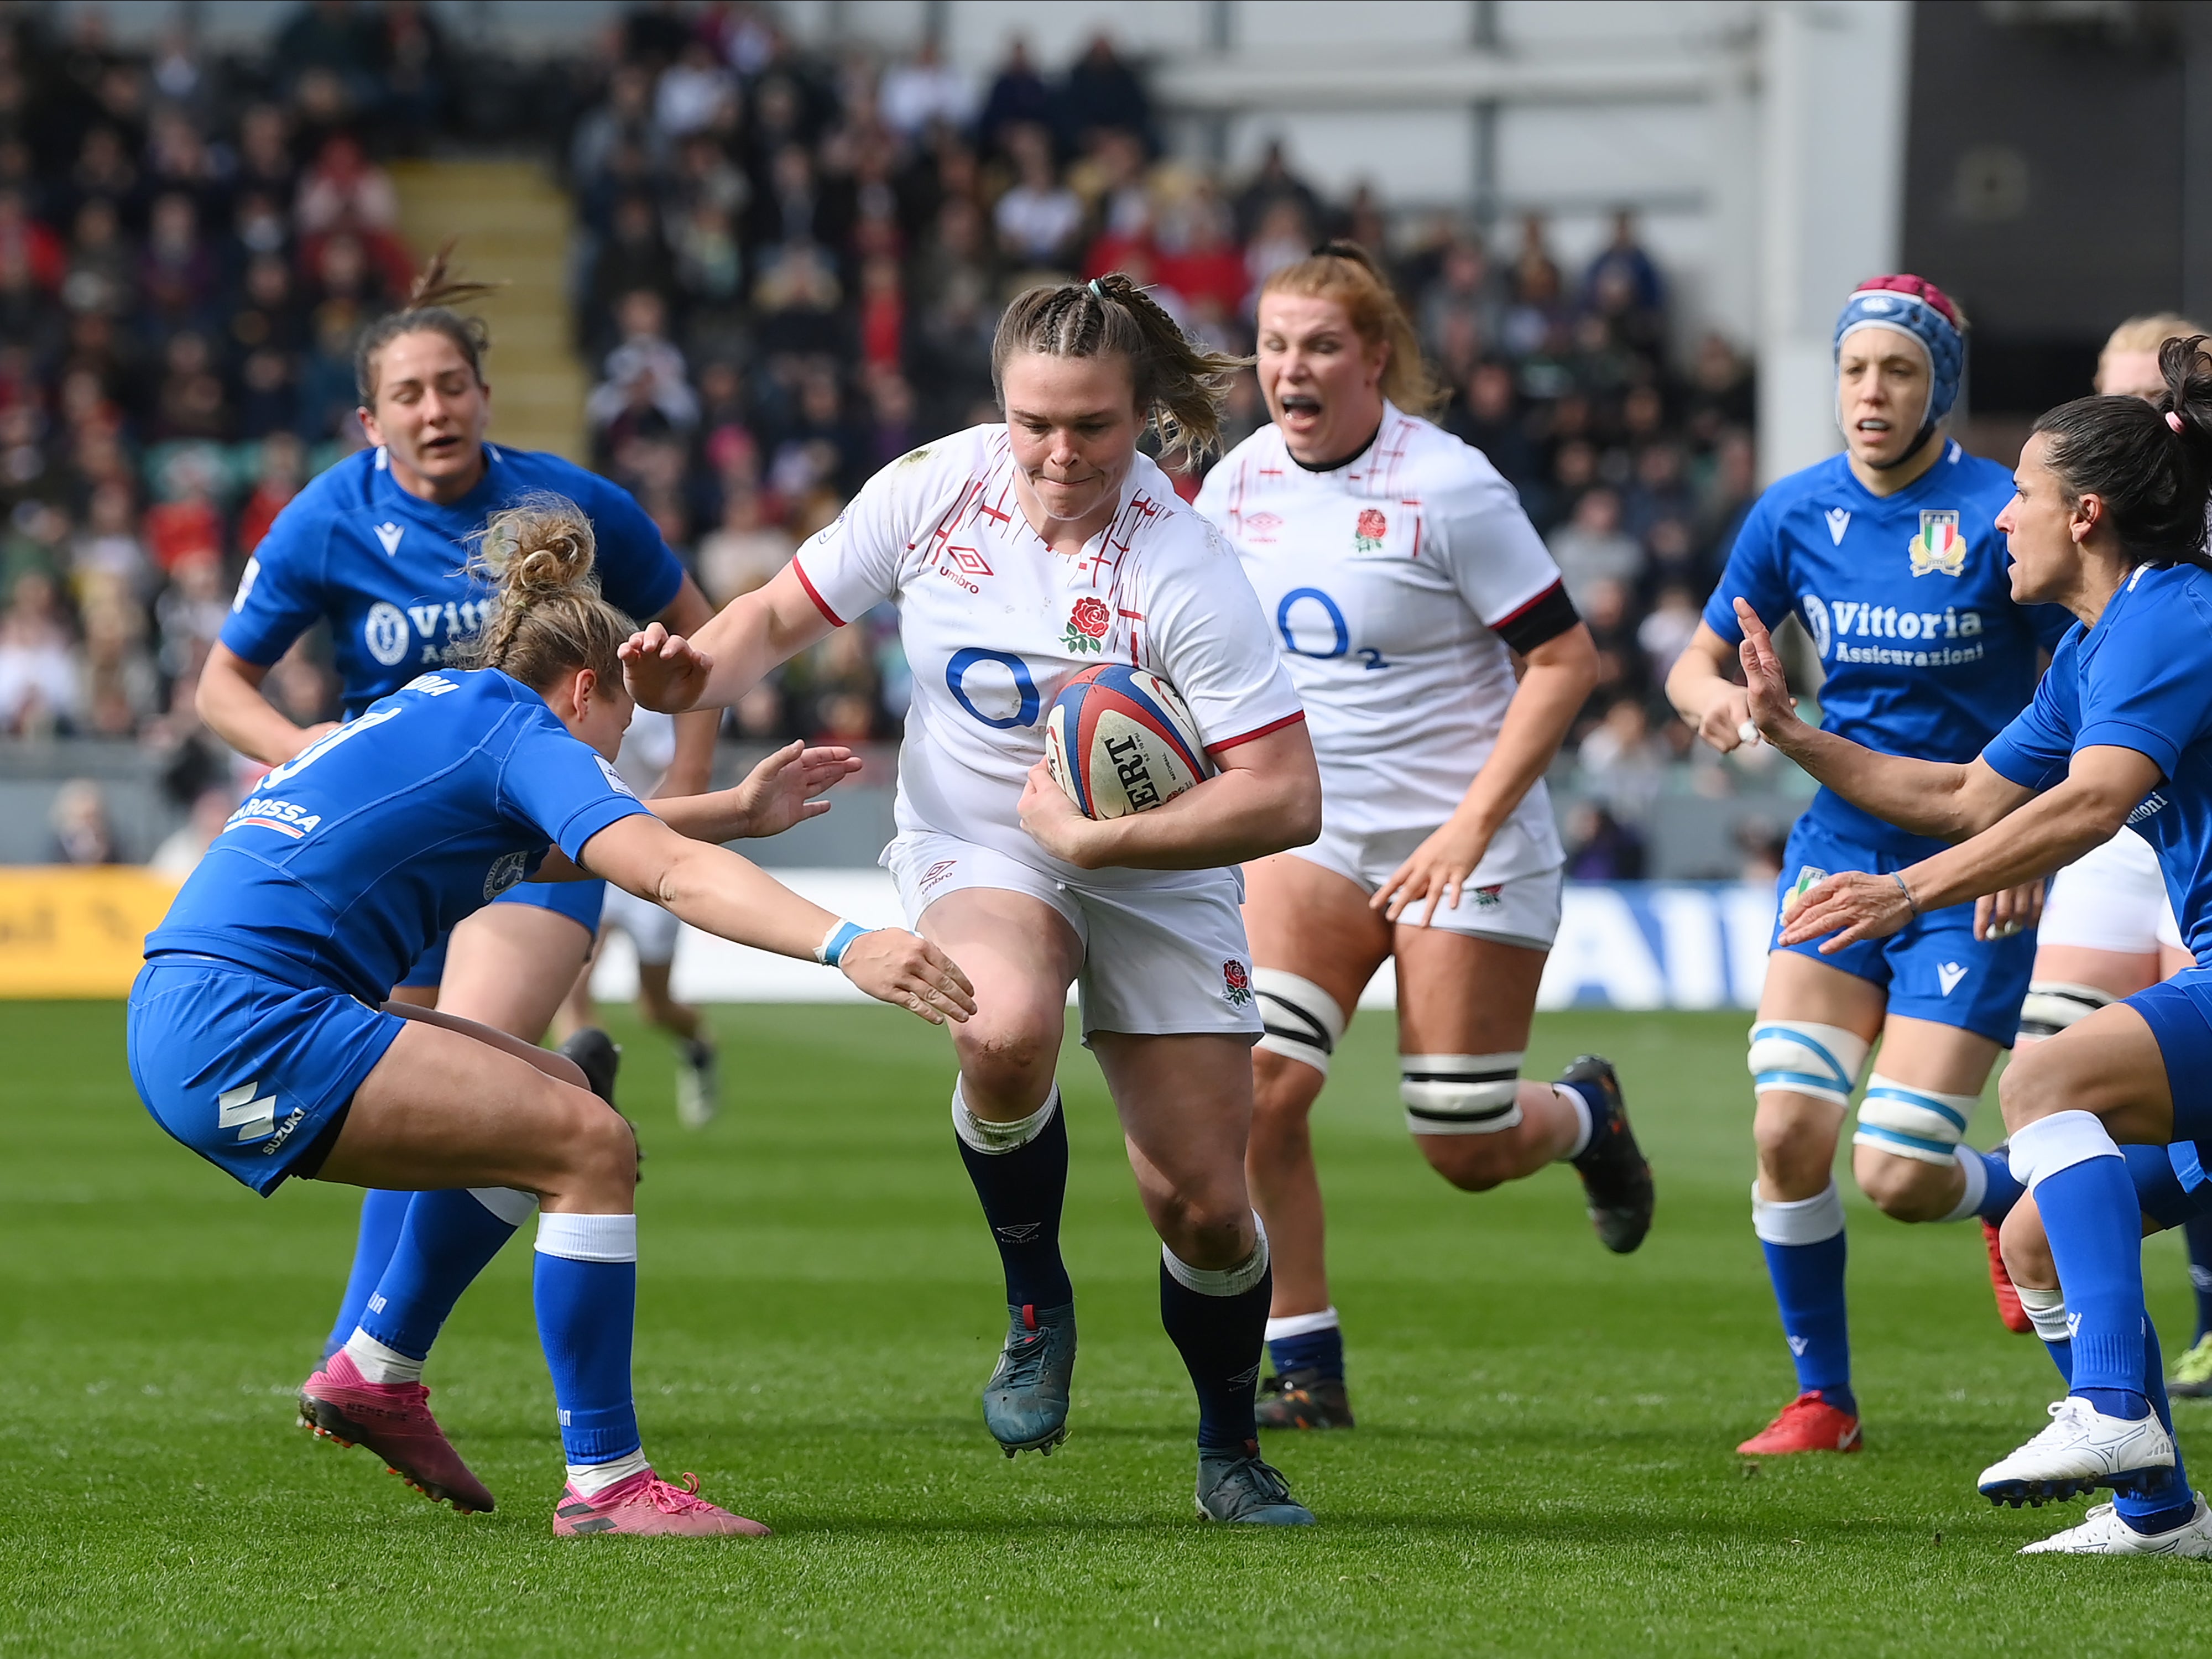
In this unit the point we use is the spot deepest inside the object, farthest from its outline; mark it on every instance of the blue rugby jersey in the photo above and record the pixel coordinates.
(350, 859)
(1908, 599)
(387, 568)
(2137, 680)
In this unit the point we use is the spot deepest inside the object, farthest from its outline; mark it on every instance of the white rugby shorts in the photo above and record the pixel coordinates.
(1520, 910)
(651, 928)
(2111, 898)
(1157, 960)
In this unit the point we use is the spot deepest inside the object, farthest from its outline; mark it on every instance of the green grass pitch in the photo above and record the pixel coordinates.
(1543, 1463)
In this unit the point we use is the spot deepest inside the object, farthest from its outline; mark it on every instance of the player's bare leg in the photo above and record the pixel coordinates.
(1021, 956)
(1796, 1211)
(1467, 1001)
(1185, 1107)
(1312, 923)
(480, 1120)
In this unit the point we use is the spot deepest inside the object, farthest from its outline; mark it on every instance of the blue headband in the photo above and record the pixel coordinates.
(1909, 314)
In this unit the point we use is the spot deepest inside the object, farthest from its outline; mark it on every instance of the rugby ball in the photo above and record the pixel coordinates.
(1119, 740)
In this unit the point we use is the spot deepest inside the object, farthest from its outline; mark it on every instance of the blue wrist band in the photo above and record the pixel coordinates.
(834, 943)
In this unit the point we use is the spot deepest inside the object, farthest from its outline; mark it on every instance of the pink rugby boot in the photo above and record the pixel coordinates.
(393, 1420)
(645, 1506)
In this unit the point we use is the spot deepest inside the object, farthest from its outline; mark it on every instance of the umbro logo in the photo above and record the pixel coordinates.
(1839, 521)
(1021, 1233)
(1799, 1343)
(389, 533)
(1948, 975)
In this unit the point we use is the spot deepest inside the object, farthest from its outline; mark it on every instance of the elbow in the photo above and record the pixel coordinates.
(1299, 821)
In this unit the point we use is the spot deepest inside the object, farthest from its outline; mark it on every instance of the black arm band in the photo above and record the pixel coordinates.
(1544, 618)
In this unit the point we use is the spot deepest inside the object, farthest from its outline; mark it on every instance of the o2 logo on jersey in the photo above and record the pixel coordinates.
(384, 632)
(1816, 611)
(1294, 620)
(994, 686)
(505, 871)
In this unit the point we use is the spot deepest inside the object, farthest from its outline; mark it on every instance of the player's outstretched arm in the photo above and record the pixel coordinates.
(1266, 798)
(230, 699)
(714, 890)
(1927, 798)
(751, 636)
(781, 790)
(1698, 687)
(2102, 786)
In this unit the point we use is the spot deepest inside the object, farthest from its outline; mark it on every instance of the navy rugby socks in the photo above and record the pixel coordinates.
(1020, 1174)
(1217, 1320)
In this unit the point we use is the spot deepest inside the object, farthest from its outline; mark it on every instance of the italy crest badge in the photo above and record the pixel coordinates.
(1939, 548)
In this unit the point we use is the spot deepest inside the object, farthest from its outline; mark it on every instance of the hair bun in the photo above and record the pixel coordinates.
(542, 544)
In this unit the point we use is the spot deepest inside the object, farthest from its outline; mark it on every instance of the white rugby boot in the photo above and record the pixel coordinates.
(2082, 1449)
(2103, 1533)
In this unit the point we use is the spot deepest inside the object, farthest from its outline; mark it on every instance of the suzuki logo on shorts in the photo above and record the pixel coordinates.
(243, 1109)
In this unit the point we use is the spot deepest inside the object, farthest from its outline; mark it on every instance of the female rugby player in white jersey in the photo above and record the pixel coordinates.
(1019, 554)
(2108, 928)
(1401, 577)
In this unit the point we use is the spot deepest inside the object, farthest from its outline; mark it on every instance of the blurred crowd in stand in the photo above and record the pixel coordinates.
(787, 272)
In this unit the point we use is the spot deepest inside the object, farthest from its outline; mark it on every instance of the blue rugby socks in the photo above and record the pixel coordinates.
(1991, 1190)
(1803, 1240)
(1306, 1342)
(382, 1215)
(1020, 1173)
(2166, 1500)
(2090, 1214)
(1217, 1320)
(448, 1238)
(586, 1287)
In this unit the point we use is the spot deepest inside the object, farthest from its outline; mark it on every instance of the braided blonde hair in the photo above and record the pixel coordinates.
(1181, 386)
(550, 619)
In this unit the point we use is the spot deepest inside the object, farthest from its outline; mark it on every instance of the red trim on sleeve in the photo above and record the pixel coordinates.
(1227, 744)
(1512, 615)
(821, 604)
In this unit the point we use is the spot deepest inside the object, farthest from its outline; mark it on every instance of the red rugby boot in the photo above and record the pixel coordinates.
(393, 1420)
(645, 1505)
(2008, 1309)
(1807, 1424)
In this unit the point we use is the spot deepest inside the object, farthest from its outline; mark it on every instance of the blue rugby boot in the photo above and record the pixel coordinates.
(1025, 1401)
(1237, 1485)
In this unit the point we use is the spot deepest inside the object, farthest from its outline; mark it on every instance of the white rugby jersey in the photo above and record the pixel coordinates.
(994, 622)
(1387, 583)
